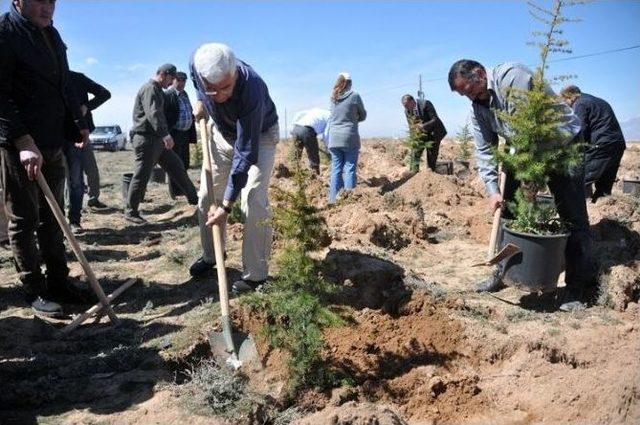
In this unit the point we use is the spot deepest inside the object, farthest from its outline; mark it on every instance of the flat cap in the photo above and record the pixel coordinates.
(167, 68)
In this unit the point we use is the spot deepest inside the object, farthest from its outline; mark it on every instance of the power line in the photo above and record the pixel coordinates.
(588, 55)
(605, 52)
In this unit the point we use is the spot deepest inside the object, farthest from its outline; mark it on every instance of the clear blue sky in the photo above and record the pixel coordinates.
(299, 47)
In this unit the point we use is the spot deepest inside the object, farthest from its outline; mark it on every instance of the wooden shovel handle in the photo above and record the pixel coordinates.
(216, 230)
(75, 247)
(497, 215)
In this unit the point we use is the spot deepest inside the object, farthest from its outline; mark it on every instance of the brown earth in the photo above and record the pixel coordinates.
(422, 347)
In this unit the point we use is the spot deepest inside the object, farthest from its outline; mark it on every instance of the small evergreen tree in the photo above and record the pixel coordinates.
(296, 302)
(415, 138)
(537, 146)
(464, 139)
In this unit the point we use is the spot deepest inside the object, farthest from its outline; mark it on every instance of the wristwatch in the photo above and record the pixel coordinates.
(226, 209)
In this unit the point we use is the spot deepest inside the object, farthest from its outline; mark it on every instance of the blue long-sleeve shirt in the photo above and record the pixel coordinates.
(486, 125)
(242, 118)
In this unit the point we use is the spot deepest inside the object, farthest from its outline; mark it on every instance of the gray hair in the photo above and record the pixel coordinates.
(214, 61)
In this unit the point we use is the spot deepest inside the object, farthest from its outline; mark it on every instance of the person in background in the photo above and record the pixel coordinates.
(83, 161)
(38, 116)
(152, 143)
(182, 125)
(4, 223)
(422, 115)
(347, 110)
(307, 125)
(604, 137)
(242, 148)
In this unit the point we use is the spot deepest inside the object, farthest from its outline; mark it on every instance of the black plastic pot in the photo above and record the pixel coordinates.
(632, 187)
(538, 265)
(126, 181)
(158, 175)
(444, 167)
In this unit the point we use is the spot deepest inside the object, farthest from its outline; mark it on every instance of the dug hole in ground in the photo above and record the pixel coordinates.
(422, 347)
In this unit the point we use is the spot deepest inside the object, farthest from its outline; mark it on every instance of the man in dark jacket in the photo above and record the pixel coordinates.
(83, 161)
(152, 143)
(602, 132)
(182, 126)
(423, 118)
(37, 115)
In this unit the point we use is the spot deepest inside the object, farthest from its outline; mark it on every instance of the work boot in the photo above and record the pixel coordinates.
(492, 284)
(134, 217)
(572, 301)
(94, 203)
(46, 308)
(68, 292)
(243, 285)
(201, 267)
(76, 228)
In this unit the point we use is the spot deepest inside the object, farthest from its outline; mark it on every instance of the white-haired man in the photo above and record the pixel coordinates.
(242, 148)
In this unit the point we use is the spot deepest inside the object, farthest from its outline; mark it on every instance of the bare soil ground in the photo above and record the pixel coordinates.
(421, 348)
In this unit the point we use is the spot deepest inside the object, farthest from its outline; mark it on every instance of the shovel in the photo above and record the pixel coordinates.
(510, 249)
(223, 344)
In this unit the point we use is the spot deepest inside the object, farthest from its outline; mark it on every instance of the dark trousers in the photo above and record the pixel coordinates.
(305, 137)
(601, 167)
(432, 155)
(181, 148)
(569, 195)
(150, 151)
(34, 233)
(75, 182)
(81, 162)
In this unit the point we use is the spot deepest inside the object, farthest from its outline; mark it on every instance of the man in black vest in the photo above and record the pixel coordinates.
(604, 136)
(181, 123)
(37, 115)
(82, 161)
(422, 115)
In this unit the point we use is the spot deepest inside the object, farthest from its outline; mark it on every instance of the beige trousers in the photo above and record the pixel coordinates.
(254, 201)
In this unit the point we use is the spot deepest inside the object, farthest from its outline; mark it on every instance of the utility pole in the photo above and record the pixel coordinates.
(420, 92)
(285, 124)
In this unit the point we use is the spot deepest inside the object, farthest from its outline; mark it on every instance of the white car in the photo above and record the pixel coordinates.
(109, 137)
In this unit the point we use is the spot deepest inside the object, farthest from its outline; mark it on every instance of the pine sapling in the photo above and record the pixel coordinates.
(296, 302)
(464, 140)
(538, 147)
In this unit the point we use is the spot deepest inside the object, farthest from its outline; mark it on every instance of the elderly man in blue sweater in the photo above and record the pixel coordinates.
(242, 148)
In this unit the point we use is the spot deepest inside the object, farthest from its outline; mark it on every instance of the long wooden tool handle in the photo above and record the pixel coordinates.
(75, 247)
(216, 230)
(496, 221)
(97, 308)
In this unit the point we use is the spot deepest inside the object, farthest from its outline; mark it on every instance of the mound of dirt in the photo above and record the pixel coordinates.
(353, 413)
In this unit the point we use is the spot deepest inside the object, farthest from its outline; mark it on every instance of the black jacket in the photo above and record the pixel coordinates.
(599, 124)
(82, 87)
(429, 121)
(35, 97)
(172, 112)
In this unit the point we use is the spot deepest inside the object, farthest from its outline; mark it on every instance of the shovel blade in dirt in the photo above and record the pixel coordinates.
(223, 347)
(506, 252)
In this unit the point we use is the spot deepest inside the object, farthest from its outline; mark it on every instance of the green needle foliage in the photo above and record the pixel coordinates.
(464, 139)
(416, 138)
(538, 146)
(296, 302)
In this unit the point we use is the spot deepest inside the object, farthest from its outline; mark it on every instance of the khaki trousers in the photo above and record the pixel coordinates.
(257, 233)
